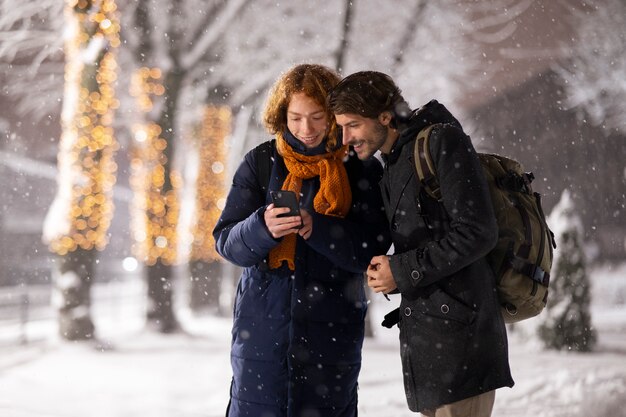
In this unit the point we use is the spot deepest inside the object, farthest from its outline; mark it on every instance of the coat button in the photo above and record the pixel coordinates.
(415, 274)
(407, 311)
(445, 309)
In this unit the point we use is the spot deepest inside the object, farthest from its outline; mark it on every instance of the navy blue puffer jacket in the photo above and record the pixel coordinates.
(297, 335)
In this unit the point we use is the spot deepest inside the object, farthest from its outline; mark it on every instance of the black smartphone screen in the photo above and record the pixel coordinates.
(284, 198)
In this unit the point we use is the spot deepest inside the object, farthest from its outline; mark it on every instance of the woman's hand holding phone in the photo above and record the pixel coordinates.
(281, 226)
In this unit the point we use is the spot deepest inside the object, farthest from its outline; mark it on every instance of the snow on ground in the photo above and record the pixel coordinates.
(137, 372)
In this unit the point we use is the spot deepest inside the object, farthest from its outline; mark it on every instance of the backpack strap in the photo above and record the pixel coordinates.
(264, 153)
(424, 163)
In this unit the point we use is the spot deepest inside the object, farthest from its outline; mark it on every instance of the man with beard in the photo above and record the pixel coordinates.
(452, 335)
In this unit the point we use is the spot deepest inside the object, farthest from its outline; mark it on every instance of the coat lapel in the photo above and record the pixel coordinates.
(397, 183)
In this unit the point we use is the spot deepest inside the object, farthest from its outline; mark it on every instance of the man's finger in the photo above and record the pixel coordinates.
(376, 260)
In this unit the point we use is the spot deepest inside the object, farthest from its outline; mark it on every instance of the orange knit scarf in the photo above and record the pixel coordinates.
(334, 197)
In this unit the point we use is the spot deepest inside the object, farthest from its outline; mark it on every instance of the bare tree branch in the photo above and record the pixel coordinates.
(213, 33)
(340, 55)
(409, 33)
(500, 18)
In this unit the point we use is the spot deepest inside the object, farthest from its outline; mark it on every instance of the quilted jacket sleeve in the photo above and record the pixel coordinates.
(240, 234)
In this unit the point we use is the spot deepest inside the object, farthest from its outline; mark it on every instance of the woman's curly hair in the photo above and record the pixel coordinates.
(315, 81)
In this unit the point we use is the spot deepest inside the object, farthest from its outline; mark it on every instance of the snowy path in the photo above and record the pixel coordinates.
(188, 375)
(185, 376)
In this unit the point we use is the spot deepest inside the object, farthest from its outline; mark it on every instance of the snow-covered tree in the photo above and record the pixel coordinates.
(31, 58)
(205, 265)
(567, 323)
(77, 223)
(172, 44)
(594, 77)
(268, 37)
(431, 48)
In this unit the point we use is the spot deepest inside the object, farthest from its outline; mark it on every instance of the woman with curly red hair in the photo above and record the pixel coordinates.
(300, 305)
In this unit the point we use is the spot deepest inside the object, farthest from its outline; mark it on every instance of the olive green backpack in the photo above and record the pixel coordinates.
(522, 257)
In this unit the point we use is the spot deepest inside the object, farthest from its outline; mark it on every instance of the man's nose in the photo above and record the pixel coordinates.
(346, 136)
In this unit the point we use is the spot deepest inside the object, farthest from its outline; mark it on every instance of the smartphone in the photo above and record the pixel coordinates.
(284, 198)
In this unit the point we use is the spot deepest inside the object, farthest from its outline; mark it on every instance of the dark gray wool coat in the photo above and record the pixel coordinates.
(453, 338)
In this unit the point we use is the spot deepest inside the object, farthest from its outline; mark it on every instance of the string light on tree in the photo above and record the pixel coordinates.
(87, 147)
(210, 187)
(155, 214)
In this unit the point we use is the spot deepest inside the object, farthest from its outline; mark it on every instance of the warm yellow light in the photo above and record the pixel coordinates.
(154, 73)
(155, 214)
(87, 142)
(105, 24)
(210, 186)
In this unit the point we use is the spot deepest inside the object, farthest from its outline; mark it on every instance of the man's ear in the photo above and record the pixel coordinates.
(385, 118)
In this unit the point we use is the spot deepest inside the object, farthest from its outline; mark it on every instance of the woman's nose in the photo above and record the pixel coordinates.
(306, 125)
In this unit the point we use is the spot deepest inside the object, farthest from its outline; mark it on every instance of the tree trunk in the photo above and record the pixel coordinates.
(78, 220)
(205, 285)
(72, 287)
(160, 275)
(156, 184)
(205, 268)
(160, 301)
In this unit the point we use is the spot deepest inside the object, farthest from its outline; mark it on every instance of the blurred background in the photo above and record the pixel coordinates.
(122, 123)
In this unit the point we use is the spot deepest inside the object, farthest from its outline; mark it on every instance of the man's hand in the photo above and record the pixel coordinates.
(307, 224)
(379, 276)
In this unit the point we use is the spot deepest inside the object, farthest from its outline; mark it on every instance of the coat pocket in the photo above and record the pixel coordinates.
(439, 313)
(444, 306)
